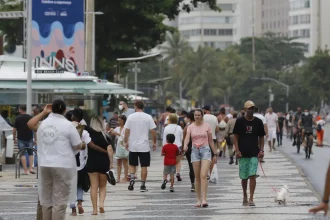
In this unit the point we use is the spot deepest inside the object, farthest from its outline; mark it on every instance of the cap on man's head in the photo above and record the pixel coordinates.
(249, 104)
(207, 108)
(78, 113)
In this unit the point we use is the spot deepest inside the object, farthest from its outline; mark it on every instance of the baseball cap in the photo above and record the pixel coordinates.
(249, 104)
(78, 113)
(207, 108)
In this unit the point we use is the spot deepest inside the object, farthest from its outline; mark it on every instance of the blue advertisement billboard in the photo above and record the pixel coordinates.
(58, 34)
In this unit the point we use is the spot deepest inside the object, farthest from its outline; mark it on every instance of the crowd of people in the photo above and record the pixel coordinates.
(74, 157)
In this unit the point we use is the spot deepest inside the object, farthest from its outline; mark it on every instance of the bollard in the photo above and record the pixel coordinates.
(17, 164)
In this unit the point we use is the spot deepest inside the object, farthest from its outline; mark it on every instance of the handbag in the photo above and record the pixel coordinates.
(121, 152)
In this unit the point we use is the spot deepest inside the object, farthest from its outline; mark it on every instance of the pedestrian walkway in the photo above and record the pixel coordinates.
(18, 197)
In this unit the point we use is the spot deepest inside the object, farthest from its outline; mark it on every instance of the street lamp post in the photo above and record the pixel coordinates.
(93, 37)
(280, 83)
(29, 60)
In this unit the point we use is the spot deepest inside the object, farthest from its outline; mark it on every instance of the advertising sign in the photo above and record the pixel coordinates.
(58, 34)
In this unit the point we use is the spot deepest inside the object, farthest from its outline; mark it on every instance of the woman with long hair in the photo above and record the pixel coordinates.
(174, 128)
(58, 141)
(98, 164)
(121, 152)
(202, 144)
(189, 120)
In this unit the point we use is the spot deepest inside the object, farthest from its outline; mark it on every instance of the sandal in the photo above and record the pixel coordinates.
(205, 205)
(245, 203)
(251, 203)
(198, 205)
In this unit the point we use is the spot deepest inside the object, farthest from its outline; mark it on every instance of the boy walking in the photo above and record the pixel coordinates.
(169, 151)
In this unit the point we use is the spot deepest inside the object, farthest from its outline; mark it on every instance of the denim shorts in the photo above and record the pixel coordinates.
(201, 153)
(26, 144)
(169, 170)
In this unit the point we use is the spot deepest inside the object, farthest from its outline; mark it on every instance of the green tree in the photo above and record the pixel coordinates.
(273, 52)
(316, 75)
(202, 74)
(12, 29)
(173, 50)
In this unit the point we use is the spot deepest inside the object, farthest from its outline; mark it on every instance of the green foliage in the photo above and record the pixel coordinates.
(12, 28)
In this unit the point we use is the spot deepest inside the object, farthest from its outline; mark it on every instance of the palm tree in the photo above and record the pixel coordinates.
(202, 74)
(173, 50)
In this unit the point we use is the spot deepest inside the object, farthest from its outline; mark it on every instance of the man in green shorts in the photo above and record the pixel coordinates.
(249, 135)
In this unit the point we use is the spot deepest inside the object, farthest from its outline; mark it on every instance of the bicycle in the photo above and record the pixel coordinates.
(309, 144)
(298, 140)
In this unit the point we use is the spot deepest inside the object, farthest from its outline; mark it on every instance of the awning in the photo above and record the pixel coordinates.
(83, 86)
(116, 91)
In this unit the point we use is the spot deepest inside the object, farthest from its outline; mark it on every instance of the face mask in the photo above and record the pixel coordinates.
(121, 107)
(306, 113)
(249, 113)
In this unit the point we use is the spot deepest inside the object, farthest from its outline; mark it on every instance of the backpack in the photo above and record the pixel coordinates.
(319, 127)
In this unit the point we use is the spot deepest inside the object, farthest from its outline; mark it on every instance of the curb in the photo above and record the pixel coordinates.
(303, 175)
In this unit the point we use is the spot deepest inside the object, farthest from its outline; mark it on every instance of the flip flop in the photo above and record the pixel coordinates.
(198, 205)
(33, 172)
(102, 210)
(205, 205)
(251, 203)
(245, 203)
(25, 174)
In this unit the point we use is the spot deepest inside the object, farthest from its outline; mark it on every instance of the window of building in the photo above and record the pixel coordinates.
(299, 4)
(226, 7)
(274, 24)
(210, 32)
(305, 19)
(306, 48)
(304, 33)
(263, 26)
(225, 32)
(294, 20)
(189, 33)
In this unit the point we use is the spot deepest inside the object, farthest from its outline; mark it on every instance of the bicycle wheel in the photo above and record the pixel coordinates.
(298, 143)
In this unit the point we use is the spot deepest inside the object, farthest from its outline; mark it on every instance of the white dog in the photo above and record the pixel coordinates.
(282, 195)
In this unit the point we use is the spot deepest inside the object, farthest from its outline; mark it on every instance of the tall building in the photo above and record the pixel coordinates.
(272, 16)
(243, 26)
(203, 26)
(309, 22)
(264, 15)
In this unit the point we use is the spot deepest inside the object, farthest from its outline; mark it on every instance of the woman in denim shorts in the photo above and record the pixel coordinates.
(202, 143)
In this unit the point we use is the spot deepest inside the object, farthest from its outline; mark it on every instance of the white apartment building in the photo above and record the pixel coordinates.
(309, 22)
(264, 15)
(272, 16)
(203, 26)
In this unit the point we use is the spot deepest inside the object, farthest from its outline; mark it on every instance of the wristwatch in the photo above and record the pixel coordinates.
(326, 201)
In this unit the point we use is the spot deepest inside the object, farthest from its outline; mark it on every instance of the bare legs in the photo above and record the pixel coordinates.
(102, 190)
(23, 161)
(119, 165)
(253, 183)
(201, 169)
(98, 182)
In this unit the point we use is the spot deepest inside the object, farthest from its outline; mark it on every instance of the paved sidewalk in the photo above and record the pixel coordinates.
(18, 197)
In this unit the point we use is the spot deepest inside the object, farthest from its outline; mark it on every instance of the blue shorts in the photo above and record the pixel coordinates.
(201, 153)
(25, 144)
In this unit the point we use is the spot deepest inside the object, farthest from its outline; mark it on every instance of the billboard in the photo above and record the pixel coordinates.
(58, 34)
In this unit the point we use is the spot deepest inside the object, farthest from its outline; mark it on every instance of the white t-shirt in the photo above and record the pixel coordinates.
(261, 117)
(271, 120)
(213, 122)
(288, 119)
(122, 135)
(139, 124)
(229, 116)
(177, 131)
(84, 153)
(56, 139)
(321, 122)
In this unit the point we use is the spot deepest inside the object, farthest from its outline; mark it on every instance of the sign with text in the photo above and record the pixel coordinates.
(58, 34)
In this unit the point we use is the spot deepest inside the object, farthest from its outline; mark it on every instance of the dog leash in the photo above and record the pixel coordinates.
(267, 178)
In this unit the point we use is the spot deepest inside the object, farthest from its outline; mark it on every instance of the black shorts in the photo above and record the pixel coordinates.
(144, 158)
